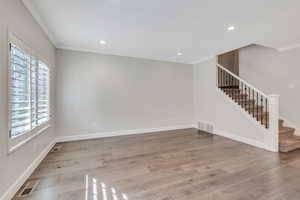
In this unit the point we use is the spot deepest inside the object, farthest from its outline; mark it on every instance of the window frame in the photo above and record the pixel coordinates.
(16, 142)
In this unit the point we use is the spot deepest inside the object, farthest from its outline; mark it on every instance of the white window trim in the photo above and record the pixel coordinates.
(15, 143)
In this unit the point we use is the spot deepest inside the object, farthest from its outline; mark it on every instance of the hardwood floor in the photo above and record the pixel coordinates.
(171, 165)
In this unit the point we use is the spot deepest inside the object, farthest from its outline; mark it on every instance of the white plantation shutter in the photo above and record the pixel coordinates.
(43, 93)
(19, 92)
(34, 67)
(28, 93)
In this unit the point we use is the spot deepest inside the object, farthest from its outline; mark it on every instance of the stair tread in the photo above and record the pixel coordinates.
(289, 140)
(283, 130)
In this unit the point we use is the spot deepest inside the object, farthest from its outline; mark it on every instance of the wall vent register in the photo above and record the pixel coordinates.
(206, 127)
(29, 188)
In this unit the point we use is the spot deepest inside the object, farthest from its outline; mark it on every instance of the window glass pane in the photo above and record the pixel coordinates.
(42, 93)
(29, 92)
(19, 92)
(34, 67)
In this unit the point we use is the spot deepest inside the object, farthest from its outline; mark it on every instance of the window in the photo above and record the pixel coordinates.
(28, 92)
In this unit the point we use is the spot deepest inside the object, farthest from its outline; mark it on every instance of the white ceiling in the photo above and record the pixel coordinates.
(159, 29)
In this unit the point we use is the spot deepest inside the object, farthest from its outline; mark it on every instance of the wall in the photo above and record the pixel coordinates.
(104, 95)
(274, 73)
(13, 15)
(212, 106)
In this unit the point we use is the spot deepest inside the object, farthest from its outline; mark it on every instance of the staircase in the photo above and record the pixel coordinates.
(287, 140)
(257, 105)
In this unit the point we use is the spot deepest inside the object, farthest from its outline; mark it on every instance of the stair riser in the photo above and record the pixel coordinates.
(286, 149)
(286, 134)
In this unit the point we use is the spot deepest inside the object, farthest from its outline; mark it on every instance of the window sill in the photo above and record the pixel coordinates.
(13, 148)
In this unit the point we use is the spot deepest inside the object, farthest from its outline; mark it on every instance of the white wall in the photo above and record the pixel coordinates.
(98, 94)
(212, 106)
(14, 16)
(275, 73)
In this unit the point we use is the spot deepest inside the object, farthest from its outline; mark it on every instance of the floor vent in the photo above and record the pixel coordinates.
(28, 188)
(56, 149)
(206, 126)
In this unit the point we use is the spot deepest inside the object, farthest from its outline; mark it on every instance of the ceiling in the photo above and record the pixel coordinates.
(159, 29)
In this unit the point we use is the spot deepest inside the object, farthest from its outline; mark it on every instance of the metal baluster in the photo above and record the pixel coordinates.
(230, 77)
(238, 91)
(249, 111)
(253, 103)
(261, 109)
(257, 102)
(267, 118)
(218, 72)
(241, 91)
(232, 88)
(222, 79)
(245, 98)
(240, 88)
(235, 90)
(226, 80)
(220, 76)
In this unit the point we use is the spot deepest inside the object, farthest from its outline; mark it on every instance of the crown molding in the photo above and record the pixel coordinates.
(71, 48)
(36, 15)
(288, 48)
(202, 60)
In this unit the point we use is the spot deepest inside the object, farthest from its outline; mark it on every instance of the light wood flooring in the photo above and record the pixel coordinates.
(171, 165)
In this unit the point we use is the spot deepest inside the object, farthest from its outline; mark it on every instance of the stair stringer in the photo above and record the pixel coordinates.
(266, 133)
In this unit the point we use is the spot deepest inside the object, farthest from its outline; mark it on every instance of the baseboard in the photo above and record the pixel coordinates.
(78, 137)
(13, 189)
(241, 139)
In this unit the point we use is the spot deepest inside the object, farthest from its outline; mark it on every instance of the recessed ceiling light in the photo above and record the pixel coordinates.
(231, 28)
(103, 42)
(179, 54)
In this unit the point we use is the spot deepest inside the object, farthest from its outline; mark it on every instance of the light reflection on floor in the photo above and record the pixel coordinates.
(96, 190)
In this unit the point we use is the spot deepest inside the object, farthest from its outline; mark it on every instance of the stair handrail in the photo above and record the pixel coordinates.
(243, 81)
(226, 80)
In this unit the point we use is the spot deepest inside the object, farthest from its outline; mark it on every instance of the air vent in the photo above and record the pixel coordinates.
(28, 188)
(56, 149)
(206, 126)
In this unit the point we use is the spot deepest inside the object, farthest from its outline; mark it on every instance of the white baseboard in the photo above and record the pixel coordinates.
(78, 137)
(241, 139)
(13, 189)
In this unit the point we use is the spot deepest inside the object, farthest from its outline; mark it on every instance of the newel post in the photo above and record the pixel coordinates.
(271, 138)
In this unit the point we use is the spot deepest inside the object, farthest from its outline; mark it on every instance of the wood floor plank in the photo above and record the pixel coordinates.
(170, 165)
